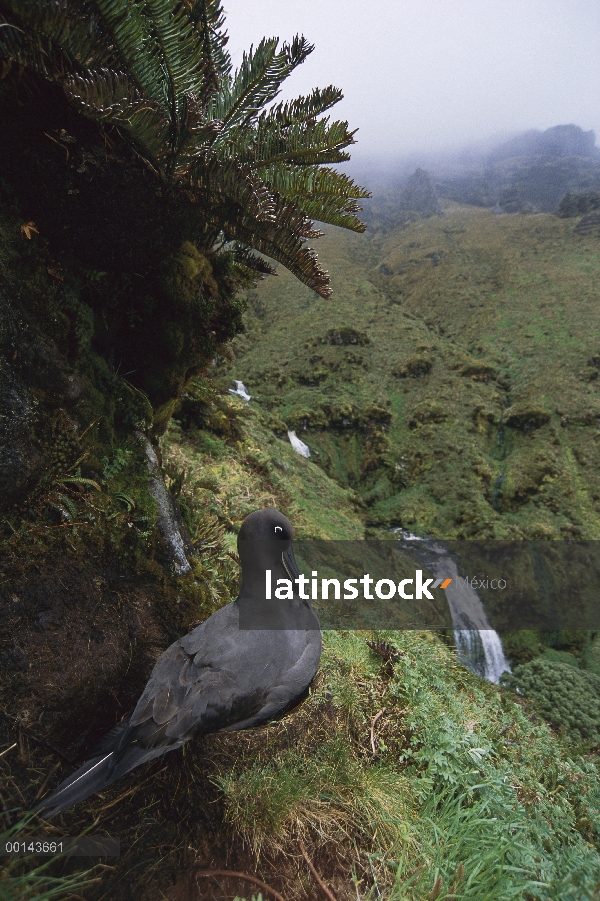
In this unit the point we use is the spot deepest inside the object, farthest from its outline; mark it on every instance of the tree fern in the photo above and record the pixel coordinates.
(159, 71)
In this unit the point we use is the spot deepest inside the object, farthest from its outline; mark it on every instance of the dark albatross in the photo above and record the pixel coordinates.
(226, 674)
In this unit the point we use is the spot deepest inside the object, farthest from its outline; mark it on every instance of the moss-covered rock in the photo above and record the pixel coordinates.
(415, 367)
(478, 371)
(346, 336)
(426, 411)
(527, 418)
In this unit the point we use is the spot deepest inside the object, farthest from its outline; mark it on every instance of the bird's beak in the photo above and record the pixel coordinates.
(289, 562)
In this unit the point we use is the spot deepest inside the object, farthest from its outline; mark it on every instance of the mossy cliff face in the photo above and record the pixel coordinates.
(129, 261)
(110, 302)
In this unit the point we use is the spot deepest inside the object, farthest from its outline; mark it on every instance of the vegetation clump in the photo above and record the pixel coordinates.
(526, 418)
(415, 367)
(346, 336)
(565, 696)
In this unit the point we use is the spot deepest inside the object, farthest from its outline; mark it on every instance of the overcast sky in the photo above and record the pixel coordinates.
(422, 75)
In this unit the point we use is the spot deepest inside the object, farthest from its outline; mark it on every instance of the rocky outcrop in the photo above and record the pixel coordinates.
(579, 204)
(560, 140)
(420, 195)
(530, 173)
(589, 224)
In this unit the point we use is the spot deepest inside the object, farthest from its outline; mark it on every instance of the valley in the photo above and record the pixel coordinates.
(452, 378)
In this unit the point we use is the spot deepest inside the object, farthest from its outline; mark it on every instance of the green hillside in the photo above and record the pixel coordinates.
(452, 378)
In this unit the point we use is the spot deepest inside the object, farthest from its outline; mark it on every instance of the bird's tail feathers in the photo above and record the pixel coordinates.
(110, 741)
(93, 776)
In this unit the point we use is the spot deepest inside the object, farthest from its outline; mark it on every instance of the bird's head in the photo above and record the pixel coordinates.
(265, 542)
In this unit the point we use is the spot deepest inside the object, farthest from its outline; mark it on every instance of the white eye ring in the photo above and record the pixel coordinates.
(278, 529)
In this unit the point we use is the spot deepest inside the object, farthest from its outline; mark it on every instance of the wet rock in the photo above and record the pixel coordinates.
(45, 369)
(36, 359)
(34, 379)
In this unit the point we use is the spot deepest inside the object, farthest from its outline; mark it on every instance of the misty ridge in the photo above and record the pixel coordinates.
(530, 172)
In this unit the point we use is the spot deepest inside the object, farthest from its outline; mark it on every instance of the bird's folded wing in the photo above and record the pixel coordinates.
(181, 699)
(219, 677)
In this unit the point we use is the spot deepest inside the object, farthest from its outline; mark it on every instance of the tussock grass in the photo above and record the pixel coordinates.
(466, 788)
(462, 782)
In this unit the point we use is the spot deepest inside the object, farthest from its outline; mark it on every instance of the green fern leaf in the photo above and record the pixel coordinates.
(54, 36)
(181, 52)
(244, 257)
(111, 96)
(79, 480)
(257, 81)
(208, 19)
(160, 71)
(302, 108)
(283, 240)
(130, 29)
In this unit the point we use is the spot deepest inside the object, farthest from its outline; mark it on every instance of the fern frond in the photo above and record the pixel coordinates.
(283, 240)
(302, 143)
(160, 71)
(54, 37)
(245, 257)
(180, 50)
(302, 108)
(130, 30)
(109, 96)
(208, 19)
(301, 261)
(293, 181)
(258, 80)
(322, 193)
(218, 185)
(79, 480)
(333, 211)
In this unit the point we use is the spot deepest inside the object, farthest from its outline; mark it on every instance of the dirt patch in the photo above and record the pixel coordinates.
(78, 639)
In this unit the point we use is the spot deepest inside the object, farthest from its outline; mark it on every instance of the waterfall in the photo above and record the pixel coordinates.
(240, 390)
(299, 446)
(478, 646)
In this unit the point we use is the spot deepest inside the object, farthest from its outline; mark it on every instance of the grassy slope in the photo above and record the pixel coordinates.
(257, 471)
(507, 321)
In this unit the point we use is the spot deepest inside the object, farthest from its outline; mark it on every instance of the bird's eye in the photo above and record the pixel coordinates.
(278, 529)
